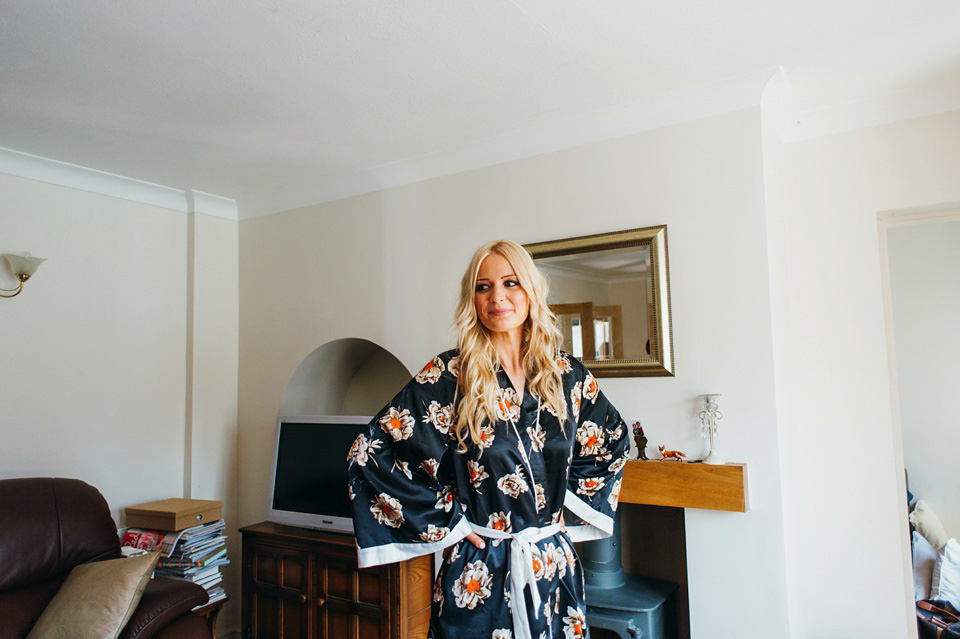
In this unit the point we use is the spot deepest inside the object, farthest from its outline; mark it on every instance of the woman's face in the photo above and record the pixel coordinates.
(502, 304)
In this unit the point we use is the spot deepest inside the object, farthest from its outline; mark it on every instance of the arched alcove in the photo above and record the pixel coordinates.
(349, 376)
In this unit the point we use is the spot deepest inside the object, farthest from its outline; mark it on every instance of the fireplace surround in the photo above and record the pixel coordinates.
(651, 541)
(621, 606)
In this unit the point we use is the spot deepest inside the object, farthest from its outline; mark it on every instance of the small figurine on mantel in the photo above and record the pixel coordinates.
(671, 454)
(640, 439)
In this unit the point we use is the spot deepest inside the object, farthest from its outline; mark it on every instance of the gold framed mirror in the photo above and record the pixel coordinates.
(611, 295)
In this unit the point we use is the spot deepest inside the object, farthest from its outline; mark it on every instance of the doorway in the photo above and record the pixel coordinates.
(921, 255)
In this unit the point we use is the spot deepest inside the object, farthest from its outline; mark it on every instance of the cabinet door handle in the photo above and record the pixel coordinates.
(320, 602)
(302, 598)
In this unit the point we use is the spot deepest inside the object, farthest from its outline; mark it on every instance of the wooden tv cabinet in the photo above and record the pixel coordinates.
(300, 583)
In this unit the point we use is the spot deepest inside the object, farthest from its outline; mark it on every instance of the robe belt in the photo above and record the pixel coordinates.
(521, 570)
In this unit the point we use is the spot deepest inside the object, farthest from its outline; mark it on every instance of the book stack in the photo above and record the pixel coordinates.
(189, 550)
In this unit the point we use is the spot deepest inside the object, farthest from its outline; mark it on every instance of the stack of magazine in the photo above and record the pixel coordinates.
(194, 554)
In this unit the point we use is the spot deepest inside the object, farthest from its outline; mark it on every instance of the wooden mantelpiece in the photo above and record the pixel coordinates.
(685, 485)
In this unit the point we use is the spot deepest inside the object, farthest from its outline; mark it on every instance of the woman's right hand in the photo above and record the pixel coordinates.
(476, 540)
(473, 538)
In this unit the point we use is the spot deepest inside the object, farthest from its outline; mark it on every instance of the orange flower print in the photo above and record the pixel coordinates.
(564, 364)
(591, 438)
(508, 405)
(440, 416)
(616, 433)
(539, 566)
(574, 624)
(362, 450)
(454, 366)
(513, 484)
(387, 511)
(438, 592)
(541, 497)
(555, 559)
(397, 423)
(502, 633)
(614, 497)
(431, 372)
(404, 468)
(477, 473)
(486, 436)
(473, 586)
(618, 465)
(499, 521)
(550, 410)
(538, 437)
(549, 562)
(434, 533)
(571, 557)
(430, 467)
(454, 554)
(590, 486)
(575, 395)
(445, 499)
(590, 388)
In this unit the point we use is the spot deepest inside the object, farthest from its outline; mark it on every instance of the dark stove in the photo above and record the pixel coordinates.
(622, 606)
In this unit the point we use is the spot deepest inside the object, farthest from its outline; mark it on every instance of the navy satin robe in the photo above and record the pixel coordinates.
(413, 493)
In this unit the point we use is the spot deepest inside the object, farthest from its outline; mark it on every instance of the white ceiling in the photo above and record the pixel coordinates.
(285, 103)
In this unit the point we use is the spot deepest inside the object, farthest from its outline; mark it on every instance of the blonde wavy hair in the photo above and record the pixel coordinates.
(477, 377)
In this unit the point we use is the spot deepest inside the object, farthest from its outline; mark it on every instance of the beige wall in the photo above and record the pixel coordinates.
(385, 267)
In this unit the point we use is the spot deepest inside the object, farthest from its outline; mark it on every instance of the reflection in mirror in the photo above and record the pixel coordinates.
(610, 294)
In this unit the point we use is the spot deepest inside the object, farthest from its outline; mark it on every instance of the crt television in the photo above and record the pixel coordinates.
(308, 486)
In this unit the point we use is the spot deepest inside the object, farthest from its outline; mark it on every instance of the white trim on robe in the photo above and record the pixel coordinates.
(390, 553)
(598, 524)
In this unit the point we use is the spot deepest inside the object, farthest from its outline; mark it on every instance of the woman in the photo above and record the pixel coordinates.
(481, 453)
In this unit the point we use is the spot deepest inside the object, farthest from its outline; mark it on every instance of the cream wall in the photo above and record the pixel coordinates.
(93, 377)
(844, 510)
(119, 364)
(385, 267)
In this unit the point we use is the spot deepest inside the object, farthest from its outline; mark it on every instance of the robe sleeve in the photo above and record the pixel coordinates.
(402, 505)
(600, 450)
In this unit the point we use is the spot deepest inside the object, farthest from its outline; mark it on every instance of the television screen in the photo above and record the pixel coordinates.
(309, 483)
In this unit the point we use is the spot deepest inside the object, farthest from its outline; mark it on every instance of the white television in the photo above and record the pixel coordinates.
(308, 486)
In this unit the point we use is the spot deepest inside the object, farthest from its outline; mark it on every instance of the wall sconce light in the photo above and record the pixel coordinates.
(709, 417)
(23, 266)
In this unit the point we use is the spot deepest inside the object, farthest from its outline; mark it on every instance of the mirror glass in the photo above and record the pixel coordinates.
(610, 293)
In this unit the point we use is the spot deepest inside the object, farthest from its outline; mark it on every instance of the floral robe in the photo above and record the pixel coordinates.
(413, 493)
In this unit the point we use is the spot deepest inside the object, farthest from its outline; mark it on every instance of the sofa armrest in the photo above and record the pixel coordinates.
(164, 600)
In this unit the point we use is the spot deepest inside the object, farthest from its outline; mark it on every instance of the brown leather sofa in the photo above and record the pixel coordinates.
(48, 526)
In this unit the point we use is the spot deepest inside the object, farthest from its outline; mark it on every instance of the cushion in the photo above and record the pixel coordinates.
(924, 557)
(96, 600)
(946, 574)
(929, 525)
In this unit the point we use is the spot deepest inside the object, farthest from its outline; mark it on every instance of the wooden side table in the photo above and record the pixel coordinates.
(209, 614)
